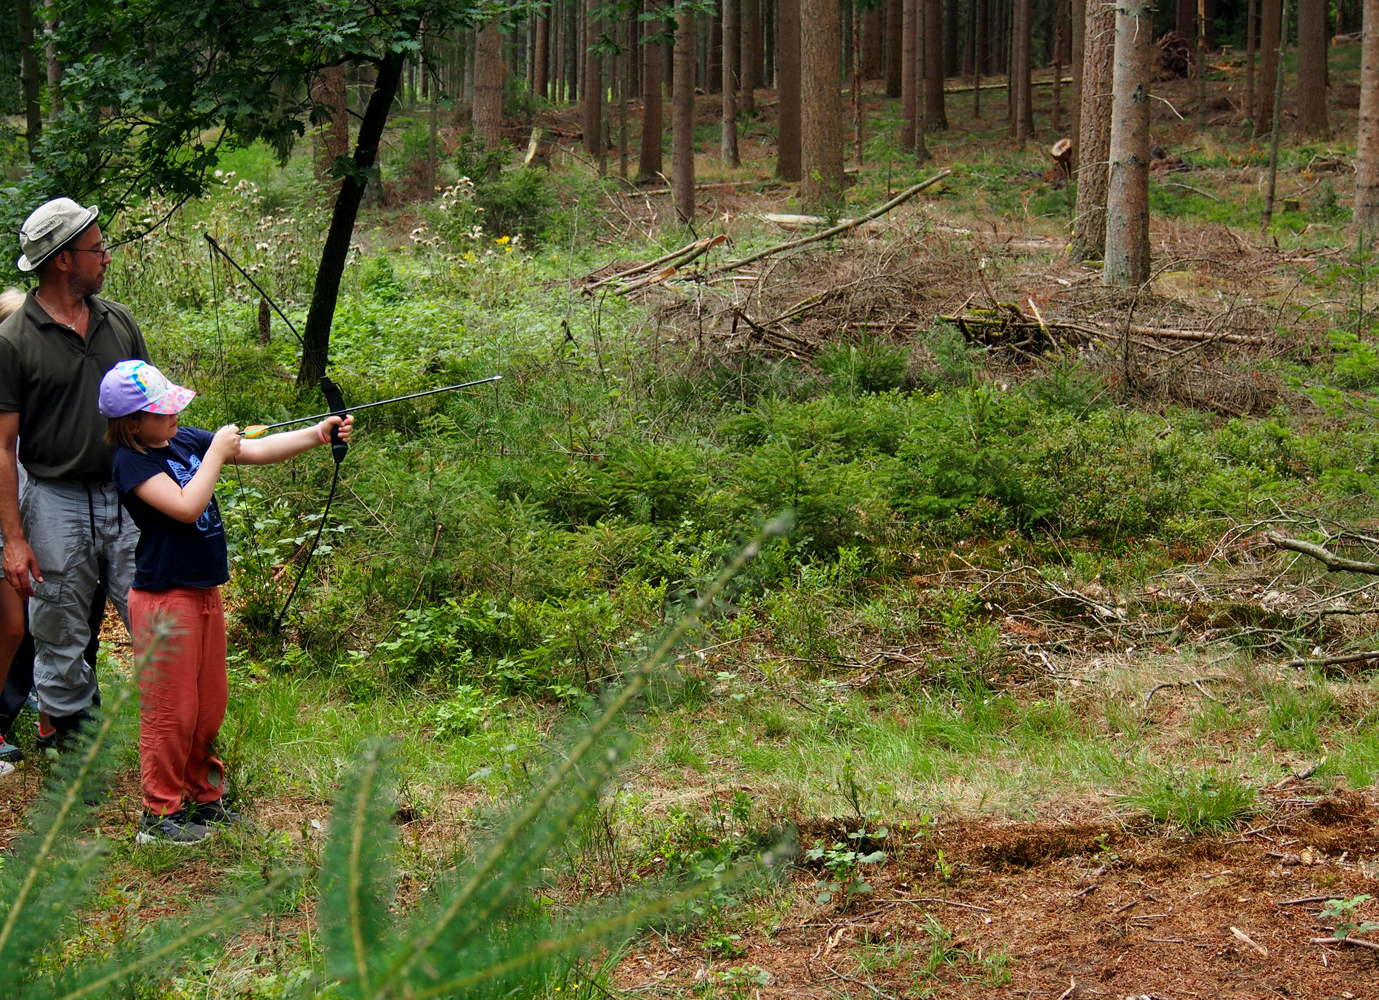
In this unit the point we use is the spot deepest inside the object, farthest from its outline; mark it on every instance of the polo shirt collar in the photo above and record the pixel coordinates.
(39, 317)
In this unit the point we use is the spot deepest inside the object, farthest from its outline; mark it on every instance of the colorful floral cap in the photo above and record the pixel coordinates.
(132, 386)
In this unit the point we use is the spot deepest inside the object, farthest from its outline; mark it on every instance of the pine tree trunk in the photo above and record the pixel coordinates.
(333, 137)
(1185, 19)
(788, 153)
(1367, 151)
(1271, 20)
(821, 141)
(895, 46)
(1201, 65)
(950, 38)
(974, 34)
(29, 80)
(1078, 39)
(714, 81)
(909, 83)
(731, 42)
(1019, 70)
(542, 70)
(934, 116)
(488, 84)
(921, 81)
(751, 58)
(653, 124)
(1311, 102)
(1060, 42)
(593, 82)
(857, 83)
(682, 125)
(1127, 193)
(574, 43)
(1094, 134)
(1251, 37)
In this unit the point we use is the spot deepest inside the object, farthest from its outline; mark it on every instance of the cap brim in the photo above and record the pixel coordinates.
(93, 212)
(175, 400)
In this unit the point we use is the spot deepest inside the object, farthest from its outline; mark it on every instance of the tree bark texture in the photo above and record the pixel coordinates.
(1127, 192)
(895, 45)
(653, 124)
(1094, 134)
(788, 85)
(909, 83)
(488, 84)
(592, 88)
(749, 75)
(934, 116)
(1185, 21)
(1271, 21)
(333, 139)
(1367, 153)
(541, 72)
(29, 84)
(1251, 37)
(871, 42)
(821, 143)
(682, 124)
(950, 38)
(326, 292)
(1311, 102)
(1019, 71)
(713, 81)
(1078, 52)
(731, 41)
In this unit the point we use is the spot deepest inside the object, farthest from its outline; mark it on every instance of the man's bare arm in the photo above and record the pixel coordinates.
(19, 558)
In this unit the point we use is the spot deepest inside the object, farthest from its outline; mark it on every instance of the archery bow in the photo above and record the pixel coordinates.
(259, 430)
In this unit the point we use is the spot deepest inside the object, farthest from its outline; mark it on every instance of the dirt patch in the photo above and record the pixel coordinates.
(1040, 909)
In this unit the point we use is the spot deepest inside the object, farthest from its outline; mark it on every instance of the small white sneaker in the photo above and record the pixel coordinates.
(6, 768)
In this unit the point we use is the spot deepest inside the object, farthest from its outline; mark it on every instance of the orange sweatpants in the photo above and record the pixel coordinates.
(182, 696)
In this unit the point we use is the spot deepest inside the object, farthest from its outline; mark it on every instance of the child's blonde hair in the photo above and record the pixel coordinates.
(121, 431)
(11, 301)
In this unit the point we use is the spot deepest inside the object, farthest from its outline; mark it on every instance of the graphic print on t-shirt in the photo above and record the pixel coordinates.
(209, 521)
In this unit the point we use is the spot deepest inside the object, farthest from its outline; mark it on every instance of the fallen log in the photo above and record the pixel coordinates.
(673, 255)
(842, 227)
(699, 249)
(1325, 556)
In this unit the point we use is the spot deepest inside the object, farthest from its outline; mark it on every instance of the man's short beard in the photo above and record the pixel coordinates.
(87, 284)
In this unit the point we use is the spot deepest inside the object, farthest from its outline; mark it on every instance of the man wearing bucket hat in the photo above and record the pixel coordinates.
(70, 535)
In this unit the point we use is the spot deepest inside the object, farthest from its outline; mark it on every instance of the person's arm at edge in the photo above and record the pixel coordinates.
(187, 503)
(290, 444)
(19, 558)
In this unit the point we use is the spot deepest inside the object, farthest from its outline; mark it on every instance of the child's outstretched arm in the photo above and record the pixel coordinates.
(187, 503)
(290, 444)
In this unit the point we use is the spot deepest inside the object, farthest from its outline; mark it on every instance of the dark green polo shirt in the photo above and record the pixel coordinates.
(51, 377)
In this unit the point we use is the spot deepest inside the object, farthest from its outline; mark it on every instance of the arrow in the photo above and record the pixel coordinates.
(259, 430)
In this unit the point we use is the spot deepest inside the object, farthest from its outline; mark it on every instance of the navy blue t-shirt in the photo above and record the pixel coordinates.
(172, 553)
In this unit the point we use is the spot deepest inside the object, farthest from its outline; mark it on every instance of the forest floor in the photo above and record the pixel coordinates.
(1078, 736)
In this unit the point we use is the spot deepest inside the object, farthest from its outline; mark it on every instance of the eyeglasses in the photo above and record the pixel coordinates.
(103, 250)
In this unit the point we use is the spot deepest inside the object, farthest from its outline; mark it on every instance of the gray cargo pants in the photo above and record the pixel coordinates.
(80, 536)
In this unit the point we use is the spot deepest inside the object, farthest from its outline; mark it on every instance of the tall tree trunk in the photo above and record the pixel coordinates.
(54, 65)
(1078, 52)
(857, 82)
(1276, 126)
(788, 152)
(593, 81)
(1019, 71)
(750, 76)
(714, 81)
(542, 71)
(909, 83)
(1201, 38)
(950, 38)
(1094, 133)
(871, 42)
(1185, 18)
(653, 125)
(1060, 55)
(1311, 102)
(1271, 20)
(326, 292)
(975, 68)
(1251, 39)
(333, 137)
(488, 84)
(682, 125)
(28, 79)
(895, 46)
(821, 145)
(731, 49)
(934, 116)
(769, 33)
(1127, 193)
(1367, 151)
(983, 18)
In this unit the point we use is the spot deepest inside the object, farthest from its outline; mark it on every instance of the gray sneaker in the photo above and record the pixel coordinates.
(174, 828)
(214, 813)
